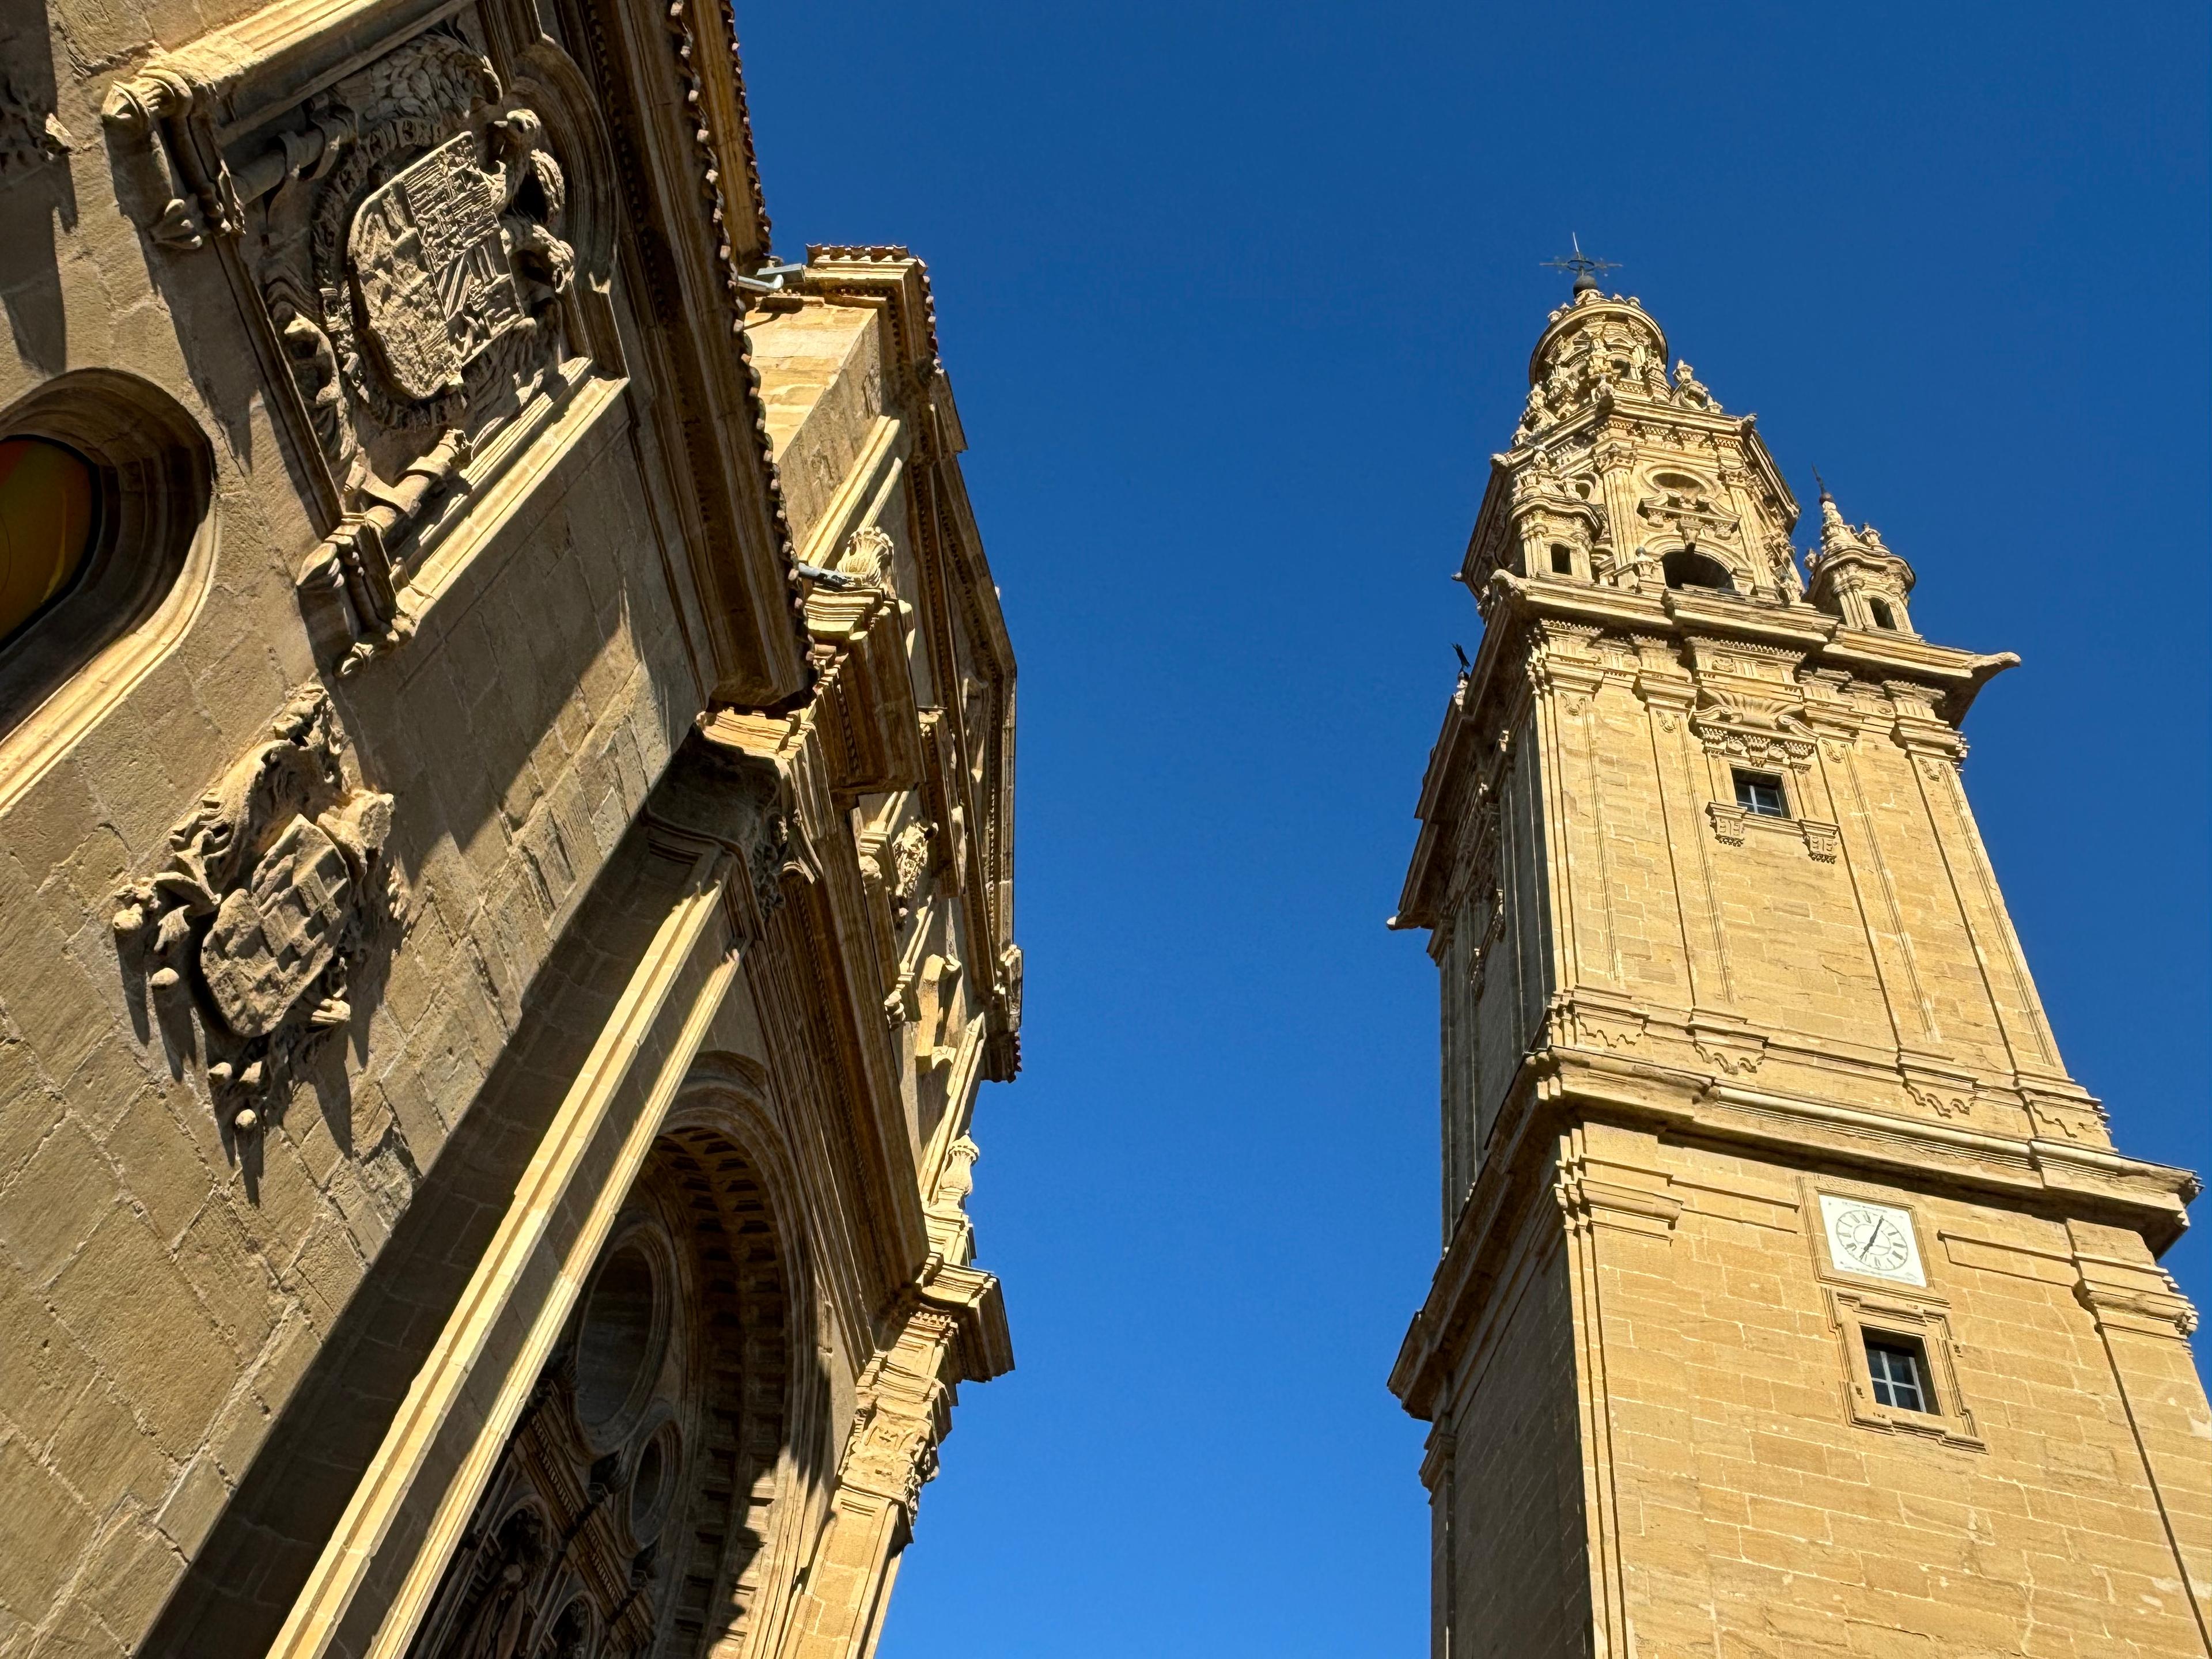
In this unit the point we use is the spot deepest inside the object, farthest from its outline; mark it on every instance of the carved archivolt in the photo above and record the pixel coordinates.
(275, 887)
(631, 1505)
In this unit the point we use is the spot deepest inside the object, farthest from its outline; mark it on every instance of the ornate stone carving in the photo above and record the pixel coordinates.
(275, 886)
(866, 558)
(450, 261)
(1736, 722)
(909, 862)
(31, 134)
(1933, 1086)
(407, 241)
(1589, 1021)
(1736, 1053)
(1690, 390)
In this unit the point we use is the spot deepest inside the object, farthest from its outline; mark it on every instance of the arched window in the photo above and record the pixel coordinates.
(49, 501)
(105, 547)
(1690, 569)
(1883, 616)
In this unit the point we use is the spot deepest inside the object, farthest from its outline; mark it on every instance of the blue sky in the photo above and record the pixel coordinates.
(1237, 301)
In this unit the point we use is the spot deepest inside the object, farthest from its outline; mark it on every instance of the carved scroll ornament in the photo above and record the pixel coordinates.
(275, 885)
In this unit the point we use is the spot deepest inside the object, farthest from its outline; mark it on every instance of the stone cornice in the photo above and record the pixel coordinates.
(1946, 678)
(1558, 1088)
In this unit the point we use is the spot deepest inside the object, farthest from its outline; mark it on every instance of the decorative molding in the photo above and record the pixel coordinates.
(953, 1331)
(1735, 1050)
(1593, 1021)
(1934, 1086)
(275, 890)
(1851, 1315)
(2079, 1118)
(1588, 1202)
(1731, 822)
(2138, 1297)
(486, 1364)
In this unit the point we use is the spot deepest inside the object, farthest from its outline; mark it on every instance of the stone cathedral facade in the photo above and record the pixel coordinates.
(506, 811)
(1795, 1298)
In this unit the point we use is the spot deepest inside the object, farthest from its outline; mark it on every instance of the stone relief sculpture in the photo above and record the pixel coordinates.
(404, 231)
(275, 885)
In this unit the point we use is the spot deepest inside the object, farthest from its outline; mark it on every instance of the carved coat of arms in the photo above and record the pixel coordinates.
(413, 271)
(432, 270)
(273, 886)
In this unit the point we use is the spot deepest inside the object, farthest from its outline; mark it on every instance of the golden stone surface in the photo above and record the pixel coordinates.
(1729, 1094)
(507, 858)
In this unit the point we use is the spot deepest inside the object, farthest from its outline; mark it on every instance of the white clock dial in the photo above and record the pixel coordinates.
(1866, 1237)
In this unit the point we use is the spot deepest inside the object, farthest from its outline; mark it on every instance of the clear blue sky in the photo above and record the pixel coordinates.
(1237, 301)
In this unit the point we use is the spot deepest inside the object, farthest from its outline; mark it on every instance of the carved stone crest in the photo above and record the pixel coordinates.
(404, 227)
(274, 885)
(432, 252)
(431, 271)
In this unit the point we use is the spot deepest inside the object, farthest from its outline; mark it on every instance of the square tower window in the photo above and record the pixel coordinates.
(1761, 792)
(1562, 561)
(1898, 1373)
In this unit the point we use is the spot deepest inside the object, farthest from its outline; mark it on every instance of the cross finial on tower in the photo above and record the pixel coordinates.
(1823, 483)
(1584, 267)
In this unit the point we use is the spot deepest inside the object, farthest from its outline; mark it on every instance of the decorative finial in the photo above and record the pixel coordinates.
(1835, 534)
(1584, 267)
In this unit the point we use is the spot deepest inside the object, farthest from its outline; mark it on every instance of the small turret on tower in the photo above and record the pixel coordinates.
(1856, 577)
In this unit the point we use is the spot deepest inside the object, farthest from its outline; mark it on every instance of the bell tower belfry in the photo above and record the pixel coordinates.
(1793, 1299)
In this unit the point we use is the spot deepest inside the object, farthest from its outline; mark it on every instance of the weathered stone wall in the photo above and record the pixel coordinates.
(1519, 1581)
(166, 1290)
(217, 1294)
(1755, 1512)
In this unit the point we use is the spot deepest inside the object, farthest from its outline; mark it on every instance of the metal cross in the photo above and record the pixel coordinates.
(1579, 262)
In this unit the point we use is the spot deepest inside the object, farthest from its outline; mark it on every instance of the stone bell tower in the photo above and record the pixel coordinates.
(1793, 1299)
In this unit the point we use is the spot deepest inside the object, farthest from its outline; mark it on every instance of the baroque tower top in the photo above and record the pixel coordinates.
(1705, 507)
(1770, 1207)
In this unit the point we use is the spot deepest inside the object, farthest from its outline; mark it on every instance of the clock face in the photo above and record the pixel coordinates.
(1866, 1237)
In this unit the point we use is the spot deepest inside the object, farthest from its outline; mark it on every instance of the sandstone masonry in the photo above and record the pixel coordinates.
(505, 848)
(1795, 1300)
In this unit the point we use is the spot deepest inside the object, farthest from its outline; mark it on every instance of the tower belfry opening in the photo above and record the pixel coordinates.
(1793, 1291)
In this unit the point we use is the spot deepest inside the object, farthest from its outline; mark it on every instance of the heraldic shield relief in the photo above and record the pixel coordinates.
(274, 887)
(414, 268)
(431, 268)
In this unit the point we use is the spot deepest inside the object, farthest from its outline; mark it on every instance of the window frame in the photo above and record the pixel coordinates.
(1749, 783)
(1922, 1325)
(1887, 1347)
(144, 575)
